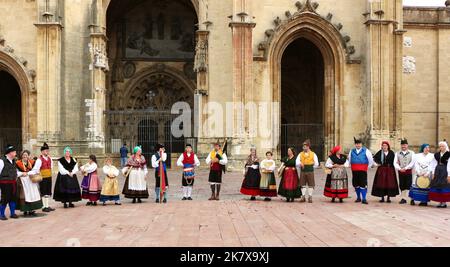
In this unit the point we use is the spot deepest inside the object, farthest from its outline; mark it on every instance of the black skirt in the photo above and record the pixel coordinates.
(67, 189)
(251, 183)
(215, 177)
(45, 187)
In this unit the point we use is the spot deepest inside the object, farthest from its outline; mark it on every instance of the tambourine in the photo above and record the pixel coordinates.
(423, 182)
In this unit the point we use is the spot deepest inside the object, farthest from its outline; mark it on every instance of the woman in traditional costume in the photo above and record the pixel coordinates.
(110, 189)
(385, 183)
(440, 185)
(268, 184)
(67, 188)
(29, 197)
(135, 172)
(90, 185)
(336, 185)
(252, 176)
(290, 181)
(422, 171)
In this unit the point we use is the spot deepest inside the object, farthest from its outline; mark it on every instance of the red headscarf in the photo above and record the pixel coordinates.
(386, 143)
(335, 150)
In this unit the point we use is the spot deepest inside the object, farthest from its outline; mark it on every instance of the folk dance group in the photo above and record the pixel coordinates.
(26, 184)
(422, 177)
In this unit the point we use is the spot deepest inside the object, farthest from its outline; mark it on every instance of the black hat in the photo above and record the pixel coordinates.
(45, 147)
(188, 145)
(9, 149)
(404, 142)
(357, 140)
(159, 146)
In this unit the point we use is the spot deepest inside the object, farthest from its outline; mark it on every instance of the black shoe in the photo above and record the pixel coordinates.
(71, 205)
(267, 199)
(288, 200)
(46, 210)
(403, 201)
(333, 200)
(139, 200)
(3, 219)
(89, 203)
(33, 214)
(165, 201)
(104, 204)
(253, 198)
(134, 201)
(25, 214)
(50, 209)
(118, 204)
(14, 216)
(382, 200)
(412, 203)
(184, 198)
(358, 200)
(389, 200)
(365, 202)
(65, 206)
(189, 198)
(423, 204)
(94, 204)
(341, 200)
(157, 201)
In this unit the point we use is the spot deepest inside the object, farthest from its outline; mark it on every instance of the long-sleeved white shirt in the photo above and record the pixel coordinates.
(2, 165)
(268, 165)
(316, 161)
(37, 166)
(110, 171)
(410, 165)
(368, 155)
(155, 163)
(89, 168)
(223, 161)
(181, 158)
(329, 164)
(423, 164)
(63, 171)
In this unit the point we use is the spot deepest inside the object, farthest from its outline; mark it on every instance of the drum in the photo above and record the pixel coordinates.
(423, 182)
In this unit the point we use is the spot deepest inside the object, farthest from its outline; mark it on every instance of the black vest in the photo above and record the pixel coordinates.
(9, 172)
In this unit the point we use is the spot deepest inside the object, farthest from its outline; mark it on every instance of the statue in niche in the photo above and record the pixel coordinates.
(160, 23)
(187, 43)
(175, 29)
(148, 25)
(201, 51)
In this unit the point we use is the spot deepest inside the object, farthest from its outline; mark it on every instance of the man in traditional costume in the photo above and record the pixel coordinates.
(307, 161)
(8, 182)
(135, 186)
(67, 188)
(336, 185)
(361, 160)
(110, 189)
(217, 160)
(43, 166)
(420, 188)
(404, 163)
(440, 185)
(268, 184)
(91, 186)
(188, 161)
(159, 164)
(252, 176)
(29, 197)
(385, 181)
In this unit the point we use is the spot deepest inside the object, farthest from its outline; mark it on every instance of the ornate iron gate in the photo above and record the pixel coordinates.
(144, 128)
(293, 135)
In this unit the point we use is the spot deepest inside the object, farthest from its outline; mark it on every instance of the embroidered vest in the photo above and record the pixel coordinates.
(359, 161)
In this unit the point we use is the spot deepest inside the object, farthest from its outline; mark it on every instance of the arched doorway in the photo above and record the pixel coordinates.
(302, 96)
(152, 50)
(11, 110)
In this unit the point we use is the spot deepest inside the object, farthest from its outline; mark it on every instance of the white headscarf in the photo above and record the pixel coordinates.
(444, 143)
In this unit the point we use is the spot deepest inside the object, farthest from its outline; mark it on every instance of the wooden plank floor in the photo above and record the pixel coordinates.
(233, 222)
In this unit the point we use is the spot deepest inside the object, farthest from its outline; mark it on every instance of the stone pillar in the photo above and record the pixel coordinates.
(385, 50)
(99, 65)
(242, 40)
(48, 73)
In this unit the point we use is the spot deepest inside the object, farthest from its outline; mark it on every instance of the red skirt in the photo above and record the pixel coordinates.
(385, 183)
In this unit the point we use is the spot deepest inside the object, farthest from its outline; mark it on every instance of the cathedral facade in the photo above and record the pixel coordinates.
(95, 74)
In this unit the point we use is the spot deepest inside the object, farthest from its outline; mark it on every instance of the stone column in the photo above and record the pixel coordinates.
(385, 50)
(48, 73)
(96, 104)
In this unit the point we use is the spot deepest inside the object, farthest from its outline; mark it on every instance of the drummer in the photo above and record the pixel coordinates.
(421, 176)
(189, 161)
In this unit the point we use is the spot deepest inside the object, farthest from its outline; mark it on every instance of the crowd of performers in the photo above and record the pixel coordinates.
(26, 183)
